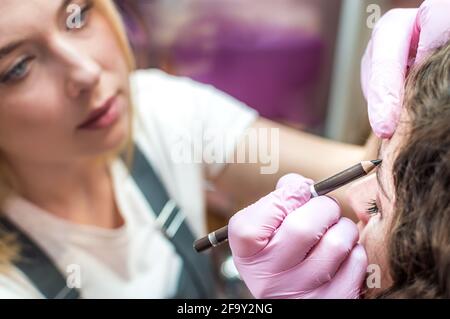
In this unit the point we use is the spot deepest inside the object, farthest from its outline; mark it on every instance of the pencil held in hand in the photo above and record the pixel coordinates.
(326, 186)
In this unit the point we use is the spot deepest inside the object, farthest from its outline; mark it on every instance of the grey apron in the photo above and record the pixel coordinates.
(196, 279)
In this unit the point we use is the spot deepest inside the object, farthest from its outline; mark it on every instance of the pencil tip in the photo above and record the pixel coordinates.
(376, 162)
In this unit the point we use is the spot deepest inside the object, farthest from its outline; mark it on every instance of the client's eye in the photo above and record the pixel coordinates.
(372, 208)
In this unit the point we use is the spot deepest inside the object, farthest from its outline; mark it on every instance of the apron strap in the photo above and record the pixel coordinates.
(38, 267)
(196, 279)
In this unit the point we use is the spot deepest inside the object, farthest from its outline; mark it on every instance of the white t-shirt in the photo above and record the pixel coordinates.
(136, 260)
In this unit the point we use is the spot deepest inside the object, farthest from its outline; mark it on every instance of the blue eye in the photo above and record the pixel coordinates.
(18, 72)
(83, 15)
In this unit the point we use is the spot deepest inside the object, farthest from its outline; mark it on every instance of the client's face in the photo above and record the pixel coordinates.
(373, 198)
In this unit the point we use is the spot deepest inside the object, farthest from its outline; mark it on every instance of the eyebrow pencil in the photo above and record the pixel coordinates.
(330, 184)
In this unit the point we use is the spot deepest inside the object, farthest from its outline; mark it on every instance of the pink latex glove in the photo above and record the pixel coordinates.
(400, 39)
(287, 246)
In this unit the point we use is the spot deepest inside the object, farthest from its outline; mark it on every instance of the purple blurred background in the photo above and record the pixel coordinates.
(275, 56)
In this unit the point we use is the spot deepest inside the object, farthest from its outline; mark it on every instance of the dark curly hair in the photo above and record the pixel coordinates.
(419, 244)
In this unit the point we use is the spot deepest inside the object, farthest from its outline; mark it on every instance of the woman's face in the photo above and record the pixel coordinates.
(373, 198)
(52, 77)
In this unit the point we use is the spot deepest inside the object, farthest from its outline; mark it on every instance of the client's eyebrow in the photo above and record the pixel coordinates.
(378, 174)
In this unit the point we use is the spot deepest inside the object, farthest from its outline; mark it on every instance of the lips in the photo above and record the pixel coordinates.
(97, 113)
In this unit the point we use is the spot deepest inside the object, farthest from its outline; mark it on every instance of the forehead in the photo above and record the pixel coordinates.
(20, 17)
(389, 150)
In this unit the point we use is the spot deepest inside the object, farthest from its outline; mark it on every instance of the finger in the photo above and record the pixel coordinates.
(388, 64)
(293, 180)
(366, 69)
(250, 230)
(333, 249)
(300, 232)
(349, 279)
(432, 27)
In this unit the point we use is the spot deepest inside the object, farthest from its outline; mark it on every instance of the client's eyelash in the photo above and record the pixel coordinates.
(372, 208)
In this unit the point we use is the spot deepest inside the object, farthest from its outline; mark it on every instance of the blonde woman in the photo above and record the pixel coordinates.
(70, 105)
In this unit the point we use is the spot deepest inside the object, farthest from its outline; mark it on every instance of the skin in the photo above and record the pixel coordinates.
(378, 188)
(72, 72)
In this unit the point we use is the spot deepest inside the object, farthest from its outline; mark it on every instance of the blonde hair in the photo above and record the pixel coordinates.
(8, 248)
(110, 12)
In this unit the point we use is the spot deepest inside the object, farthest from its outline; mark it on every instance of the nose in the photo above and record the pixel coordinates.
(360, 194)
(82, 73)
(82, 78)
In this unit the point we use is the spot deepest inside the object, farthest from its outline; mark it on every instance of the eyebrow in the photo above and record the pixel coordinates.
(378, 175)
(10, 48)
(7, 49)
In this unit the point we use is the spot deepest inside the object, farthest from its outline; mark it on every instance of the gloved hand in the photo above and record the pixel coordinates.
(287, 246)
(400, 39)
